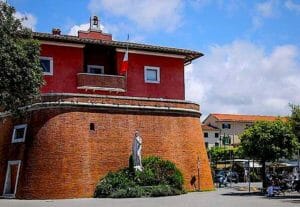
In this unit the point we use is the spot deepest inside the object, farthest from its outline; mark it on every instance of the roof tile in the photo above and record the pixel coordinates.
(245, 118)
(189, 54)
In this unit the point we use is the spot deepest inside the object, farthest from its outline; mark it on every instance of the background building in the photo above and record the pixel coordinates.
(230, 126)
(211, 136)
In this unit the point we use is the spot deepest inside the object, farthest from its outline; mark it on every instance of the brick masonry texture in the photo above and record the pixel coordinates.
(121, 100)
(85, 79)
(63, 158)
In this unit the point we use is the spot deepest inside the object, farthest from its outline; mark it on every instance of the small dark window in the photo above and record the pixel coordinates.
(92, 126)
(205, 134)
(216, 144)
(216, 135)
(226, 140)
(95, 69)
(206, 145)
(47, 65)
(19, 133)
(226, 126)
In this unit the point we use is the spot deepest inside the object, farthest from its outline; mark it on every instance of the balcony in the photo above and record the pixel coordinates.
(102, 82)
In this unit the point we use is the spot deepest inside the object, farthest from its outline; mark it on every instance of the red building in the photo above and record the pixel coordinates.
(84, 125)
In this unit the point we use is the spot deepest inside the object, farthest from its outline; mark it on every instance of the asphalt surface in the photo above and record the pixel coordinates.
(237, 195)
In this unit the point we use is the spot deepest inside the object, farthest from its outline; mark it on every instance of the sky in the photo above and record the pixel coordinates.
(251, 62)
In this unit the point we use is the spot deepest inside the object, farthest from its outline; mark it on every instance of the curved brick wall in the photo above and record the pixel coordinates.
(62, 158)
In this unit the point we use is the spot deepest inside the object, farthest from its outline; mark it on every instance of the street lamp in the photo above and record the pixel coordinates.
(298, 163)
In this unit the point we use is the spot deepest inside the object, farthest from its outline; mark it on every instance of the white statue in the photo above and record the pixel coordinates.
(137, 151)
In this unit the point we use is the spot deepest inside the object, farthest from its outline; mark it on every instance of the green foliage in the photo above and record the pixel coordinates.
(113, 182)
(162, 190)
(157, 171)
(217, 154)
(268, 141)
(254, 177)
(20, 73)
(131, 192)
(295, 120)
(146, 191)
(158, 178)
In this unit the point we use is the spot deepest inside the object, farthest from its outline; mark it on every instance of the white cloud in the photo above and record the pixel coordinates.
(242, 78)
(28, 20)
(74, 29)
(291, 5)
(147, 14)
(267, 9)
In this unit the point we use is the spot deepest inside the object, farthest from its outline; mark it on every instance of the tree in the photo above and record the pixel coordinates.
(217, 154)
(268, 141)
(20, 71)
(295, 120)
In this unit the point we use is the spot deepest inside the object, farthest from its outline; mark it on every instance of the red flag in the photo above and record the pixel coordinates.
(124, 66)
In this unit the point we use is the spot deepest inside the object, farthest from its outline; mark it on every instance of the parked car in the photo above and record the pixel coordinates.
(223, 177)
(232, 176)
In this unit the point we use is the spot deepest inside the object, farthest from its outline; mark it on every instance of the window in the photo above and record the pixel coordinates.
(11, 178)
(92, 127)
(226, 140)
(205, 134)
(216, 144)
(226, 126)
(216, 135)
(206, 145)
(47, 65)
(152, 74)
(19, 133)
(95, 69)
(248, 125)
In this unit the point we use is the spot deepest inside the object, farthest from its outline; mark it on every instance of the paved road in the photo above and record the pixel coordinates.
(223, 197)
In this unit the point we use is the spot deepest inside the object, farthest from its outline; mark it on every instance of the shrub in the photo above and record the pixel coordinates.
(113, 182)
(158, 178)
(160, 190)
(158, 171)
(131, 192)
(146, 191)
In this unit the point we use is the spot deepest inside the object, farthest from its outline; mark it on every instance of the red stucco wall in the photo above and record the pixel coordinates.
(171, 76)
(68, 61)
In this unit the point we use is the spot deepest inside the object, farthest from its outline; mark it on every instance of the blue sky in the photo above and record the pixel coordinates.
(251, 63)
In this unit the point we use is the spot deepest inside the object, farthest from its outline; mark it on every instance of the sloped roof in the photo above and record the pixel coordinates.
(245, 118)
(189, 54)
(209, 128)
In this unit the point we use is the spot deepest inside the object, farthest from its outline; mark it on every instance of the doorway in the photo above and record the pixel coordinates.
(11, 179)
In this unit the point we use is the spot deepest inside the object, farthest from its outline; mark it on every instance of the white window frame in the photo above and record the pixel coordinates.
(13, 139)
(10, 163)
(101, 67)
(151, 68)
(51, 64)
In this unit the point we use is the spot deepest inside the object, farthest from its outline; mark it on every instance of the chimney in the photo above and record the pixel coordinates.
(56, 31)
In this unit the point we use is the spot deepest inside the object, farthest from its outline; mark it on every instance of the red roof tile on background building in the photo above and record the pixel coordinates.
(246, 118)
(209, 128)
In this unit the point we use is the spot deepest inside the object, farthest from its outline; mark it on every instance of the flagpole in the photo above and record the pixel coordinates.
(127, 63)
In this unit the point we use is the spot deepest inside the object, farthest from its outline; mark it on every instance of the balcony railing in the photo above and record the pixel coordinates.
(90, 81)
